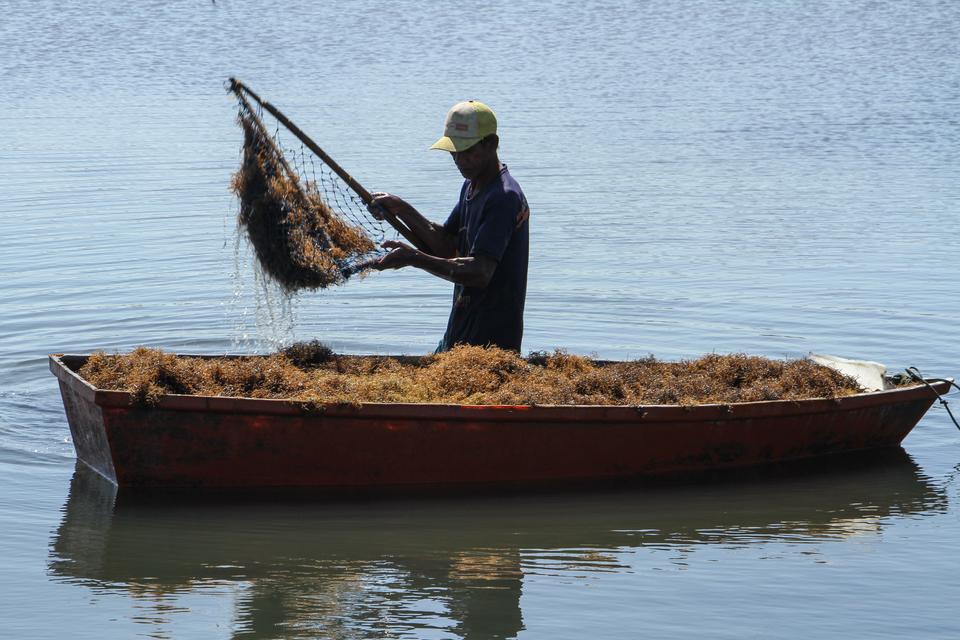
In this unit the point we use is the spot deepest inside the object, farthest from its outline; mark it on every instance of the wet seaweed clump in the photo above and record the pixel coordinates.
(299, 241)
(312, 373)
(308, 354)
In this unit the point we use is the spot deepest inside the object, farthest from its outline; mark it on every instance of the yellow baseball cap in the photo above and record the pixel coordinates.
(467, 124)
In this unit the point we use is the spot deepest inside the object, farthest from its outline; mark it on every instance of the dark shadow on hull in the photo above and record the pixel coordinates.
(821, 467)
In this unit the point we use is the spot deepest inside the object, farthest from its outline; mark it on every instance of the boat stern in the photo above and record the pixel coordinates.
(85, 417)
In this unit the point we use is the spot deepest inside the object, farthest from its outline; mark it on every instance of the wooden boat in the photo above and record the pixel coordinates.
(219, 442)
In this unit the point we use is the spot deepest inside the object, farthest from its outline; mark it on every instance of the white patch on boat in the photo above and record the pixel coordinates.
(869, 375)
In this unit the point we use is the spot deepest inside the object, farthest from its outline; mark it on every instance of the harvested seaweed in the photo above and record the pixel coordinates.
(298, 239)
(308, 354)
(312, 373)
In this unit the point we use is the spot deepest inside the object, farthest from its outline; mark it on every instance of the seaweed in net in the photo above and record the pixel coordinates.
(306, 221)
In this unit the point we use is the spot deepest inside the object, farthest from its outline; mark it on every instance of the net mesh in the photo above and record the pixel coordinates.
(307, 227)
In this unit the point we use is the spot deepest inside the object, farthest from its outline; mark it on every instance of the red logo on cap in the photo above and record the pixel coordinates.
(460, 126)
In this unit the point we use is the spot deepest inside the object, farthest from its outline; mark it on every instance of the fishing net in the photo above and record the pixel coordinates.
(308, 226)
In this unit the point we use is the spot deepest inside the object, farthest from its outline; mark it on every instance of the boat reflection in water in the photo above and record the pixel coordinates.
(307, 567)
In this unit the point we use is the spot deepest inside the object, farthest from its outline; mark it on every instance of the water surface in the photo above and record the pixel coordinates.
(772, 178)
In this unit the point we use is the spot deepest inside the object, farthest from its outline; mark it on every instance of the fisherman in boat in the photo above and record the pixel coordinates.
(482, 247)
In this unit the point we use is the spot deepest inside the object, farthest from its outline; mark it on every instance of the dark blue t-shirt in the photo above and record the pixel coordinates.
(491, 223)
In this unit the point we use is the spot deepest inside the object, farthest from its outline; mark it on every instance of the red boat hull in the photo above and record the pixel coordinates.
(193, 441)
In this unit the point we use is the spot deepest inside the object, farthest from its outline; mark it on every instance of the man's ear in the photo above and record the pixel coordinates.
(492, 141)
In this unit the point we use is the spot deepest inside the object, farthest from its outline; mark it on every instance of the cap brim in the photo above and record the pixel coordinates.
(446, 143)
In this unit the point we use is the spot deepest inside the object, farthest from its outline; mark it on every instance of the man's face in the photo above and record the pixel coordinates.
(472, 161)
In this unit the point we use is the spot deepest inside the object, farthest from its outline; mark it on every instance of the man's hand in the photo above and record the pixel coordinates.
(401, 255)
(386, 202)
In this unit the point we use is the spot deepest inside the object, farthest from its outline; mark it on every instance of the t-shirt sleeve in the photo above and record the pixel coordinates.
(499, 223)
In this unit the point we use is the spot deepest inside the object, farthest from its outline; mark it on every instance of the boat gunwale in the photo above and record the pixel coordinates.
(440, 411)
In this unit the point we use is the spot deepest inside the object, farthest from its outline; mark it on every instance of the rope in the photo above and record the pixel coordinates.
(916, 376)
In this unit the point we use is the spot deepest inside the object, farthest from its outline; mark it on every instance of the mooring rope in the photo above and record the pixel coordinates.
(915, 375)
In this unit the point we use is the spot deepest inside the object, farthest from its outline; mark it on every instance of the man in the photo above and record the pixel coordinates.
(482, 247)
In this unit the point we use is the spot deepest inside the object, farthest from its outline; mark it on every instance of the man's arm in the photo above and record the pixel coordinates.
(432, 235)
(472, 271)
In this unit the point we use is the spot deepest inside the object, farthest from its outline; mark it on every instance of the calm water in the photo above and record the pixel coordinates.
(774, 178)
